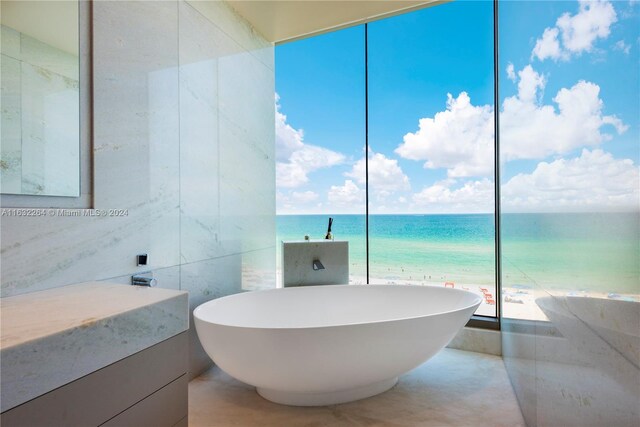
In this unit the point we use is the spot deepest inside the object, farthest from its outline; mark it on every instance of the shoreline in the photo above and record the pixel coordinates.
(518, 301)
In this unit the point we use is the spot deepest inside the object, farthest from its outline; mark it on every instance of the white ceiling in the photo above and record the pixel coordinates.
(285, 20)
(52, 22)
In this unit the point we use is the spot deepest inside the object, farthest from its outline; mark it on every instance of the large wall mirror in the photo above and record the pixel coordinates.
(40, 69)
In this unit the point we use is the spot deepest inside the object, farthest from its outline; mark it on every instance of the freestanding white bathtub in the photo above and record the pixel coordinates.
(322, 345)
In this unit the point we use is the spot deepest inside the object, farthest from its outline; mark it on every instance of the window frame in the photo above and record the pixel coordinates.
(476, 321)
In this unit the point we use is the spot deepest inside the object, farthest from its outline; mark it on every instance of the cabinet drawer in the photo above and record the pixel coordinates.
(102, 395)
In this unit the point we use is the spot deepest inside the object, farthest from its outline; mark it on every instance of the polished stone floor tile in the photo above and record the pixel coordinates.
(454, 388)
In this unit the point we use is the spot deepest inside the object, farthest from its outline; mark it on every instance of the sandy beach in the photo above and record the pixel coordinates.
(517, 302)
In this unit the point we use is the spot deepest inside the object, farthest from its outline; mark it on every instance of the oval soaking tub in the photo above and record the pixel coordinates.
(322, 345)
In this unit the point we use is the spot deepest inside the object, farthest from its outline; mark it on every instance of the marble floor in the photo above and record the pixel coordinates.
(454, 388)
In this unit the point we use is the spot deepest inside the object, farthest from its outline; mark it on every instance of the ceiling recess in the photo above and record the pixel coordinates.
(282, 21)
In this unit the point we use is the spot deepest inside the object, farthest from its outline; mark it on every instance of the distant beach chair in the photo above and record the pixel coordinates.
(449, 285)
(488, 296)
(513, 300)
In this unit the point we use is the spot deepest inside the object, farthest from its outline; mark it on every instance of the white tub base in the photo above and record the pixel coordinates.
(328, 398)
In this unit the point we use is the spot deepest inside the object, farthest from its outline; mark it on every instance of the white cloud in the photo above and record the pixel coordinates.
(622, 47)
(530, 83)
(307, 159)
(295, 159)
(472, 197)
(385, 175)
(593, 20)
(511, 75)
(347, 195)
(578, 32)
(548, 46)
(459, 139)
(288, 139)
(531, 130)
(595, 180)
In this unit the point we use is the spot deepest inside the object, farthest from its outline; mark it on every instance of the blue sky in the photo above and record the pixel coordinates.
(569, 111)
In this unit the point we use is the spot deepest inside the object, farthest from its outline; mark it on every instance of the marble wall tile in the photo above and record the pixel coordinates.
(236, 27)
(11, 145)
(45, 252)
(247, 83)
(207, 280)
(137, 106)
(201, 44)
(201, 37)
(226, 121)
(247, 206)
(10, 42)
(195, 175)
(39, 54)
(136, 134)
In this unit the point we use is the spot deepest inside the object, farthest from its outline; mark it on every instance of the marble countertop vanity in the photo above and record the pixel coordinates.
(53, 337)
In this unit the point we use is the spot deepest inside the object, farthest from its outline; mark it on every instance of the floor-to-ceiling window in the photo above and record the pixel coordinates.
(569, 148)
(570, 185)
(410, 98)
(320, 139)
(431, 149)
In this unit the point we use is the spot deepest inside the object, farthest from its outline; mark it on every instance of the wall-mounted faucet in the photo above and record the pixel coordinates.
(329, 236)
(144, 279)
(317, 265)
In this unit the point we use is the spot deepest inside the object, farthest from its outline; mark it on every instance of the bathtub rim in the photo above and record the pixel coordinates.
(373, 322)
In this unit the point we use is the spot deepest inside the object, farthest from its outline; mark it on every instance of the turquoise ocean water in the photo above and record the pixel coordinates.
(575, 252)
